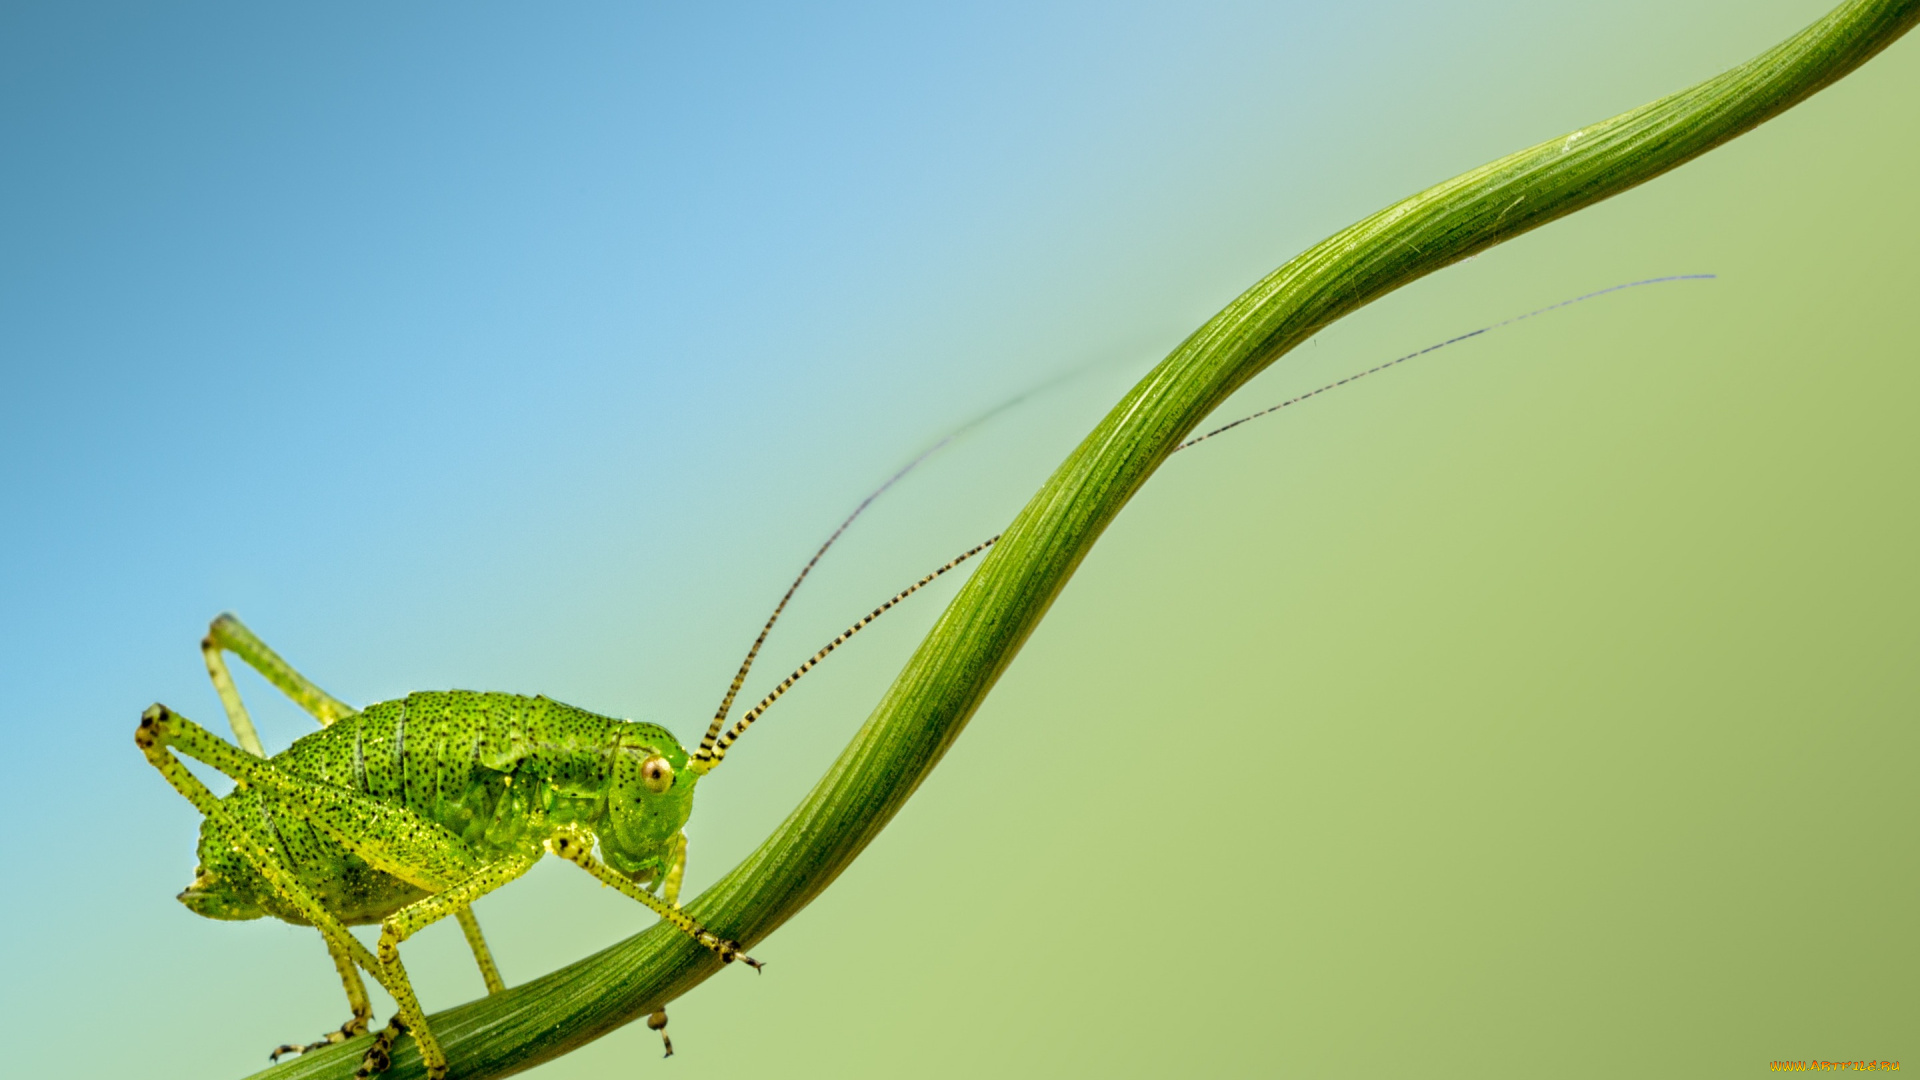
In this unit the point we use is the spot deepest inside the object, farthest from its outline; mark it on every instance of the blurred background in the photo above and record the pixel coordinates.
(1568, 673)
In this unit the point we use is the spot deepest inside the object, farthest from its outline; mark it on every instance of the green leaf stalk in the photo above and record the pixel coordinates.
(964, 654)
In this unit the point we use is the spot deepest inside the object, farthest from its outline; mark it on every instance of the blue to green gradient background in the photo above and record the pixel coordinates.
(1543, 708)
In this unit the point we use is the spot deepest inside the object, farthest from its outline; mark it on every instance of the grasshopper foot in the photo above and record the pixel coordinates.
(729, 952)
(355, 1026)
(658, 1022)
(380, 1055)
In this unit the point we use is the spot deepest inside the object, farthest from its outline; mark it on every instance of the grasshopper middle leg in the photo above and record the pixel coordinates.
(356, 1000)
(229, 634)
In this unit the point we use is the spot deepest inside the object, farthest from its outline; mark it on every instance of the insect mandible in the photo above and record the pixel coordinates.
(406, 812)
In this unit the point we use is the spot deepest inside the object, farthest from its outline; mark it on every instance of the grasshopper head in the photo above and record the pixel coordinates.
(650, 799)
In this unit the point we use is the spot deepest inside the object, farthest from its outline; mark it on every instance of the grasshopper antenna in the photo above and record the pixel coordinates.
(1455, 340)
(713, 748)
(706, 758)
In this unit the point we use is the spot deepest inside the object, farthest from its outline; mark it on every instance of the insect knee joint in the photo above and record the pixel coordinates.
(571, 848)
(153, 726)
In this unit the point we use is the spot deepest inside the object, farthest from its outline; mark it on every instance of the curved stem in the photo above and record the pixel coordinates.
(987, 622)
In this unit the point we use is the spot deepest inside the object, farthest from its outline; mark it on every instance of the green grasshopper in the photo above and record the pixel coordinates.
(408, 811)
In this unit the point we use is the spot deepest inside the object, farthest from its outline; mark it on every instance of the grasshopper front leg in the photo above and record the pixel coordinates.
(577, 848)
(670, 892)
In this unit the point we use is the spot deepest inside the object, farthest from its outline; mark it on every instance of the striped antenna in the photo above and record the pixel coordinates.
(705, 758)
(746, 665)
(1455, 340)
(708, 759)
(713, 747)
(707, 743)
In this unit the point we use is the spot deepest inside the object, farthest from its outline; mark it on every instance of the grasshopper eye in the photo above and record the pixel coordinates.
(656, 774)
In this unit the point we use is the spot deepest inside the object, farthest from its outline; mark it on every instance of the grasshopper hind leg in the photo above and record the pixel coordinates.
(160, 734)
(357, 1001)
(350, 1029)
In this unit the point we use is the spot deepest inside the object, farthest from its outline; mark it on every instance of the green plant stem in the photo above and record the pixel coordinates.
(987, 622)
